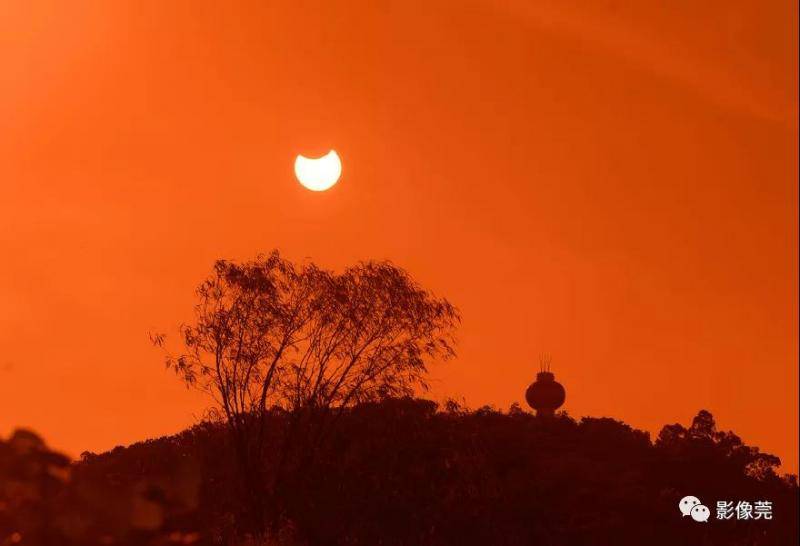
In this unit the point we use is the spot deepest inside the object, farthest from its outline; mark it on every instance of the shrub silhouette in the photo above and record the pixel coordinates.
(407, 472)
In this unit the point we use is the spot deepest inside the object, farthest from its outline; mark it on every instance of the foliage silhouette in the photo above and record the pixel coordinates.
(406, 472)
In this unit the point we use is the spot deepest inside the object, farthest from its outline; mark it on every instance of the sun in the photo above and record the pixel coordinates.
(318, 174)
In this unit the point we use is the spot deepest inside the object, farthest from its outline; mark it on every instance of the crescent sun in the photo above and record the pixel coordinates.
(318, 174)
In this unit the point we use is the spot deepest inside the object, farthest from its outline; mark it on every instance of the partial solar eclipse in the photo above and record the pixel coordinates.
(318, 174)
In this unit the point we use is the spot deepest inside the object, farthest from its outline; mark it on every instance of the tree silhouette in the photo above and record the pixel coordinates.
(405, 472)
(270, 335)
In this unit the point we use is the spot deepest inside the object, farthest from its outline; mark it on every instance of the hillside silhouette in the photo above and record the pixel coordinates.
(405, 472)
(313, 439)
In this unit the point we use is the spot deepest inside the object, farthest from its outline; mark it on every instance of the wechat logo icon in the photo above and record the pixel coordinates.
(692, 507)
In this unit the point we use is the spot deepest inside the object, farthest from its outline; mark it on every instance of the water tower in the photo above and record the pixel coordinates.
(545, 395)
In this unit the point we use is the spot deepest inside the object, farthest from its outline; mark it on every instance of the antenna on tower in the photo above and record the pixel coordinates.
(544, 362)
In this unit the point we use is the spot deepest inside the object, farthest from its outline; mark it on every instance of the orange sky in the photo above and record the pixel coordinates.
(616, 186)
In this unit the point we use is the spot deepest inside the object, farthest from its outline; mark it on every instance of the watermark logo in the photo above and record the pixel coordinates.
(740, 510)
(744, 510)
(692, 507)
